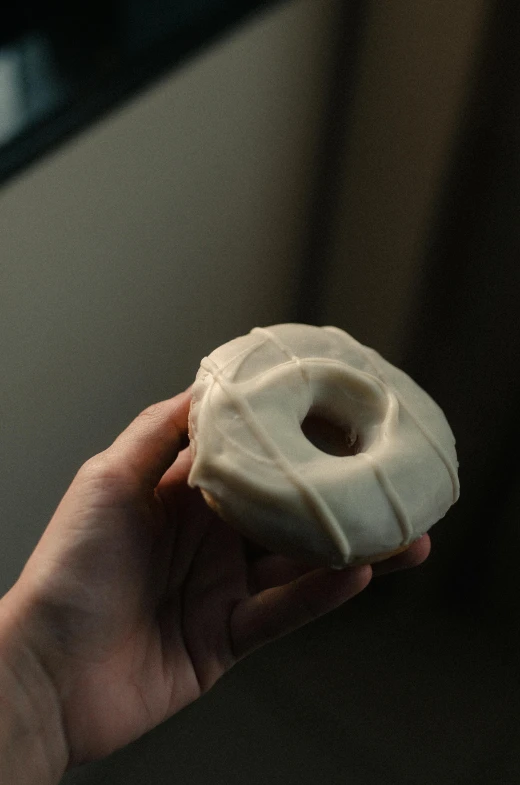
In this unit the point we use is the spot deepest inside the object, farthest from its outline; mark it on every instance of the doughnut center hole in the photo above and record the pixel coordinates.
(329, 437)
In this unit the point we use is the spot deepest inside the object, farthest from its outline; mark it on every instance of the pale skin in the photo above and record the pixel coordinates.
(136, 600)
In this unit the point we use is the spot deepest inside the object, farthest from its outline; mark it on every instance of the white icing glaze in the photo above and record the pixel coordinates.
(250, 455)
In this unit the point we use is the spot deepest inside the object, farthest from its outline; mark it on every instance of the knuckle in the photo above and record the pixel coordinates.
(151, 412)
(270, 624)
(310, 608)
(99, 467)
(90, 467)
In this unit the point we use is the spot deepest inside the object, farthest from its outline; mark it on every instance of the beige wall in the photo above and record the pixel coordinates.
(415, 72)
(172, 225)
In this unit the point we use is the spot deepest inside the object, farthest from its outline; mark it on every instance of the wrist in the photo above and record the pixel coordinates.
(33, 745)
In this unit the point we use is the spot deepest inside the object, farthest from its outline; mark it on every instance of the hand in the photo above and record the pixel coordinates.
(138, 598)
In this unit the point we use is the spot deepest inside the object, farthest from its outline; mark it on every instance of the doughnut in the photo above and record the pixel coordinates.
(384, 472)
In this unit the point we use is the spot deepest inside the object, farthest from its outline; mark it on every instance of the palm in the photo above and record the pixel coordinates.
(166, 649)
(143, 605)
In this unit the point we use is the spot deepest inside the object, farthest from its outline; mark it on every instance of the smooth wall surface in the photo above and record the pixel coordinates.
(171, 226)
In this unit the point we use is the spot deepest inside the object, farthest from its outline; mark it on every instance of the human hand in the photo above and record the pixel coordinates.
(138, 598)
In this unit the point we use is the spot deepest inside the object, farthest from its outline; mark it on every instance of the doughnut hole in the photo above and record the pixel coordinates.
(329, 437)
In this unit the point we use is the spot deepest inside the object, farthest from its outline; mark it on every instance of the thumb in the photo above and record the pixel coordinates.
(151, 443)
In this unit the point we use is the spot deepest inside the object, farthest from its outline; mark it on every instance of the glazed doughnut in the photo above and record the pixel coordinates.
(253, 462)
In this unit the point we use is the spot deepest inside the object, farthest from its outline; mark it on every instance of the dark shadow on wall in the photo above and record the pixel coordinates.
(465, 347)
(326, 188)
